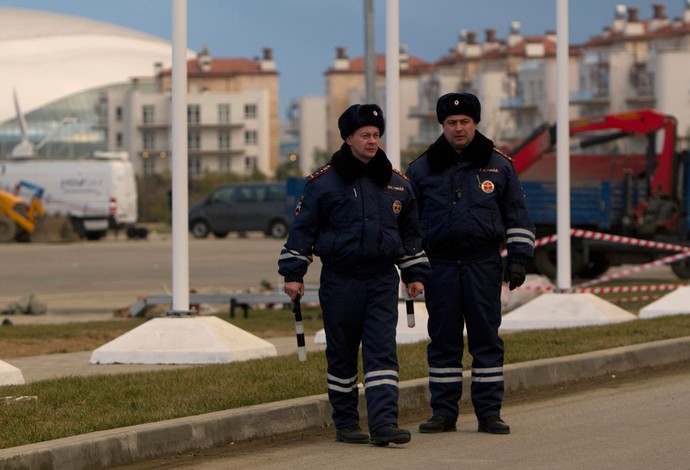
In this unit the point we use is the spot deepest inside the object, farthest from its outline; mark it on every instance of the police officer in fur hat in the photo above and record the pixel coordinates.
(359, 215)
(471, 205)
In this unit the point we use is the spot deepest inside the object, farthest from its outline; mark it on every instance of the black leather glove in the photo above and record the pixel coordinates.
(514, 274)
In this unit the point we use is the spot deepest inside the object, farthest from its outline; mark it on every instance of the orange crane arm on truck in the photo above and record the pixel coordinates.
(639, 122)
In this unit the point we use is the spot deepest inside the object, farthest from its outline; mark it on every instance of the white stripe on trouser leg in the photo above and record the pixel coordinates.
(487, 374)
(381, 377)
(445, 374)
(341, 385)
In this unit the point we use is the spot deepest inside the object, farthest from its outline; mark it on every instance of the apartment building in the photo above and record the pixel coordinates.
(232, 116)
(345, 85)
(637, 64)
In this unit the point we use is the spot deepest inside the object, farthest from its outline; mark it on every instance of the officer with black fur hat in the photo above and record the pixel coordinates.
(359, 215)
(471, 205)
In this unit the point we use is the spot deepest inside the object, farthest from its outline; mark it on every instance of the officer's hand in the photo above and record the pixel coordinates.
(414, 289)
(293, 289)
(514, 275)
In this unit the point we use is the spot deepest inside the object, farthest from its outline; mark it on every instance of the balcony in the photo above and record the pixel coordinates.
(590, 97)
(640, 91)
(518, 103)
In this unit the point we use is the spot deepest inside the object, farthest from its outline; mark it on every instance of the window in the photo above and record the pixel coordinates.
(249, 164)
(147, 114)
(118, 114)
(250, 137)
(149, 166)
(149, 140)
(194, 166)
(224, 165)
(193, 114)
(249, 111)
(223, 113)
(276, 193)
(193, 140)
(118, 140)
(223, 195)
(224, 140)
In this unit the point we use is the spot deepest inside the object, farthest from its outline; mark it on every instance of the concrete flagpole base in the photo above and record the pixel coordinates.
(183, 340)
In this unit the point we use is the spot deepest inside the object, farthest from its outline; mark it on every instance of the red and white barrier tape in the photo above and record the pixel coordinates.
(626, 289)
(607, 237)
(640, 298)
(637, 269)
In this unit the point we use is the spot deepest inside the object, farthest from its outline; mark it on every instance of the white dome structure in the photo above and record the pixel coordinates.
(48, 56)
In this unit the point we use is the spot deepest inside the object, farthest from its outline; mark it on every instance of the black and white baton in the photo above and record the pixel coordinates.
(299, 330)
(409, 304)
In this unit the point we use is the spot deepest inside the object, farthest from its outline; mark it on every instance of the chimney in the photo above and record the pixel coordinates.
(472, 49)
(404, 57)
(267, 64)
(659, 11)
(341, 60)
(619, 19)
(490, 43)
(659, 20)
(204, 59)
(462, 41)
(634, 27)
(515, 35)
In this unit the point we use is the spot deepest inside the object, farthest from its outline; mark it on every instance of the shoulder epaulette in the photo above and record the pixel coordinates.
(319, 172)
(401, 174)
(503, 154)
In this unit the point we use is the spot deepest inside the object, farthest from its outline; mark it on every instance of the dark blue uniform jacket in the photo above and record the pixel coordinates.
(471, 202)
(358, 219)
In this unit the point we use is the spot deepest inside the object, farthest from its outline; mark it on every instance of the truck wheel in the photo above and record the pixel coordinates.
(199, 229)
(8, 229)
(598, 265)
(545, 262)
(681, 269)
(278, 229)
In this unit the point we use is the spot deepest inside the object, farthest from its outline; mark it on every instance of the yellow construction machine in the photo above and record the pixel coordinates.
(22, 221)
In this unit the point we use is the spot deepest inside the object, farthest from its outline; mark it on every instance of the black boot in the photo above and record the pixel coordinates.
(390, 433)
(437, 423)
(493, 425)
(352, 435)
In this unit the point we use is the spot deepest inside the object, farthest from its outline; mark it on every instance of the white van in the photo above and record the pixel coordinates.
(97, 193)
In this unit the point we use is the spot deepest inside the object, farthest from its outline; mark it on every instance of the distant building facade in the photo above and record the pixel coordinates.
(232, 117)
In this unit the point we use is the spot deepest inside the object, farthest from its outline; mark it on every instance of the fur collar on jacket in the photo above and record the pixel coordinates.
(379, 168)
(441, 155)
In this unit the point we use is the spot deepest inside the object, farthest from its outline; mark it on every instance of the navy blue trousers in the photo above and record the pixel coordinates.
(468, 294)
(361, 311)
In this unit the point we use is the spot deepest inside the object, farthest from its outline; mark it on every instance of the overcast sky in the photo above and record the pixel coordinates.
(304, 34)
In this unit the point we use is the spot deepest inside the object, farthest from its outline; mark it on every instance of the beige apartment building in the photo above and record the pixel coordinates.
(232, 116)
(345, 85)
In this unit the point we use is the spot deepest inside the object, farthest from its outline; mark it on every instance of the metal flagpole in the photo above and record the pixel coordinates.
(180, 240)
(564, 279)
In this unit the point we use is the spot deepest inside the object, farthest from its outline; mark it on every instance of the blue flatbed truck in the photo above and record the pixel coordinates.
(631, 182)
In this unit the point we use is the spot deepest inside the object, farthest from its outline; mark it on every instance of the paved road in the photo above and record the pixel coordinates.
(66, 276)
(637, 420)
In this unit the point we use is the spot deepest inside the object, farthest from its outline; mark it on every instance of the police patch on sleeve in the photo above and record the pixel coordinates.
(298, 209)
(397, 207)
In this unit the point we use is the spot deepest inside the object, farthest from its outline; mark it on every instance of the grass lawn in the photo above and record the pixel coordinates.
(77, 405)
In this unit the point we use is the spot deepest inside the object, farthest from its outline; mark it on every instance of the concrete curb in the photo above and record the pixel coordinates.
(126, 446)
